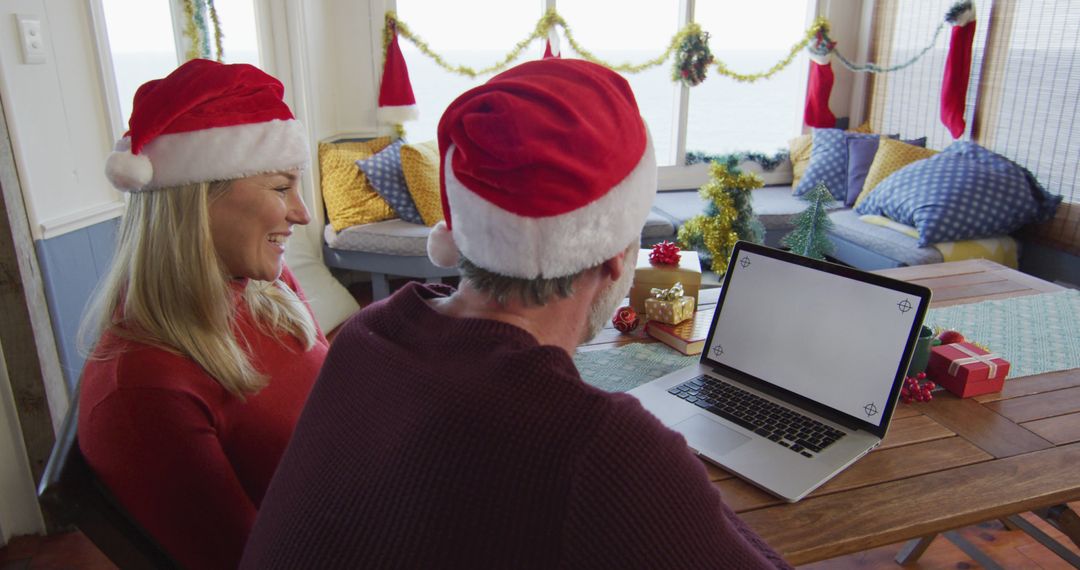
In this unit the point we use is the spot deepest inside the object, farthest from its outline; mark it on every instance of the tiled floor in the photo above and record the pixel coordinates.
(1010, 549)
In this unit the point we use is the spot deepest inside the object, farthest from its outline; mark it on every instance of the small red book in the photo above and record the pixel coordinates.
(687, 337)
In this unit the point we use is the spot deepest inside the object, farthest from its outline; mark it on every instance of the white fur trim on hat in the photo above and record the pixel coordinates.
(128, 171)
(964, 18)
(552, 246)
(441, 249)
(219, 153)
(397, 114)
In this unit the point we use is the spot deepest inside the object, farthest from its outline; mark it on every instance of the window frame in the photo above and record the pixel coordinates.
(676, 176)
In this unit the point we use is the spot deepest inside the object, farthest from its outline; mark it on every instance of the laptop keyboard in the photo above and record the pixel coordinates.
(786, 427)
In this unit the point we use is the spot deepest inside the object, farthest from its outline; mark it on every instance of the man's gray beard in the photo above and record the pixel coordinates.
(604, 306)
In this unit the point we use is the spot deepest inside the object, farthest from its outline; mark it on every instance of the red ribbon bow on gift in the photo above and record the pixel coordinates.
(665, 253)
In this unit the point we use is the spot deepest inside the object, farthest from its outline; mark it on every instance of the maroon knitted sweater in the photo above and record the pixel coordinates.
(436, 442)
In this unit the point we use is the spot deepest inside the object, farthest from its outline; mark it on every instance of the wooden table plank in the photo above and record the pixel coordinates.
(917, 273)
(917, 506)
(1038, 406)
(915, 429)
(983, 427)
(881, 466)
(976, 292)
(964, 280)
(1058, 430)
(1037, 384)
(905, 411)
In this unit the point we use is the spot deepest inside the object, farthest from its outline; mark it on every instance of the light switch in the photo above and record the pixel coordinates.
(31, 38)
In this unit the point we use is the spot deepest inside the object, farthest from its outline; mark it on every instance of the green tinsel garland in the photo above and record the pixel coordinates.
(767, 163)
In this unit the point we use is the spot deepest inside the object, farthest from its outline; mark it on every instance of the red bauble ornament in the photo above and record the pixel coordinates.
(665, 253)
(950, 337)
(625, 320)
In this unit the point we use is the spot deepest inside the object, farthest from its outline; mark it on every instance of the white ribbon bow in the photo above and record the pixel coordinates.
(973, 357)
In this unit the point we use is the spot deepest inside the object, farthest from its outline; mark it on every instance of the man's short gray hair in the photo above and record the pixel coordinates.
(532, 292)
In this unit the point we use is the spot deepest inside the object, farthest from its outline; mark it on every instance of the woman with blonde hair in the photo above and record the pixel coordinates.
(204, 347)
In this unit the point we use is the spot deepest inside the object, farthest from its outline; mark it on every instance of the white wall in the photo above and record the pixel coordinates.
(56, 118)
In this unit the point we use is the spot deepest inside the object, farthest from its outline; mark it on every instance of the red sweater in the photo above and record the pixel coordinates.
(436, 442)
(190, 461)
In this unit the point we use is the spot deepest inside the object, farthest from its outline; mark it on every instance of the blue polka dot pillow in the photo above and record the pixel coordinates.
(965, 192)
(829, 162)
(383, 170)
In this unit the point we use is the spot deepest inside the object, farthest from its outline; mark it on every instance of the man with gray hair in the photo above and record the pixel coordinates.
(451, 428)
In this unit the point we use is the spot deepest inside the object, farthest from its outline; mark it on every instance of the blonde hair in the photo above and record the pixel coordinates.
(167, 288)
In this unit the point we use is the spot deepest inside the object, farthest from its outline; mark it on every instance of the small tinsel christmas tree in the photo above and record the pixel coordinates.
(810, 237)
(728, 216)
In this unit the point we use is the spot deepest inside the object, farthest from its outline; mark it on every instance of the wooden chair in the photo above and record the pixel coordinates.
(71, 493)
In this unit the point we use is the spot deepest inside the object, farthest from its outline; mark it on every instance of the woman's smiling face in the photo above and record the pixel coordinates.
(251, 221)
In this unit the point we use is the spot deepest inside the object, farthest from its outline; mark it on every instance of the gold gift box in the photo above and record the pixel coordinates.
(671, 312)
(648, 276)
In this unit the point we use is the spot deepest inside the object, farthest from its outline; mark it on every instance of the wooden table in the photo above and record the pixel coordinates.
(944, 464)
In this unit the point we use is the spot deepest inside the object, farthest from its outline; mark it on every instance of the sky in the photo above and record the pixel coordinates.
(144, 25)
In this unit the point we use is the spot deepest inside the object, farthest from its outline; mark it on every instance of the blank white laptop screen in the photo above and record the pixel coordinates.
(831, 339)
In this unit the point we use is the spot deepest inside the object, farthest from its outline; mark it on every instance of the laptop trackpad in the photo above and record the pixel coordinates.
(703, 433)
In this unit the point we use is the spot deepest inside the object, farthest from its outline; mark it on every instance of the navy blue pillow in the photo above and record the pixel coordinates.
(861, 153)
(383, 171)
(964, 192)
(829, 162)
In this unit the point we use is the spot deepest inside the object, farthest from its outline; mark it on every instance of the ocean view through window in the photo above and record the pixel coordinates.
(723, 115)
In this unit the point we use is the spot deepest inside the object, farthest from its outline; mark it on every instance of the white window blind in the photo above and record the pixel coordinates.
(908, 101)
(1022, 97)
(1031, 109)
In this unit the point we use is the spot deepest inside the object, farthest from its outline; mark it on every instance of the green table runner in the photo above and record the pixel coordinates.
(1035, 333)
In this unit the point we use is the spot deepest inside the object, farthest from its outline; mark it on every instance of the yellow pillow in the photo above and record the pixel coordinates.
(420, 163)
(892, 155)
(799, 152)
(863, 128)
(349, 198)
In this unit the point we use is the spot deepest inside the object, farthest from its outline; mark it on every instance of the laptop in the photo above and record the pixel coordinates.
(801, 371)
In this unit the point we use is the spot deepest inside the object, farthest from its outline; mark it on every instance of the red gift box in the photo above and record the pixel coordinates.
(967, 370)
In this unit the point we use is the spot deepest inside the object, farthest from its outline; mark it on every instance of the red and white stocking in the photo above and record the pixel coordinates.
(818, 89)
(954, 84)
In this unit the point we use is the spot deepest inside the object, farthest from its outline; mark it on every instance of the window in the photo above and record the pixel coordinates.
(724, 115)
(728, 116)
(908, 101)
(453, 30)
(143, 42)
(1021, 99)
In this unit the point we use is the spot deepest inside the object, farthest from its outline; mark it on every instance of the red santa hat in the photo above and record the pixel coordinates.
(206, 121)
(397, 103)
(547, 170)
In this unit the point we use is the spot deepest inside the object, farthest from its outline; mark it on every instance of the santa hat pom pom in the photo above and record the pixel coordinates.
(126, 171)
(441, 248)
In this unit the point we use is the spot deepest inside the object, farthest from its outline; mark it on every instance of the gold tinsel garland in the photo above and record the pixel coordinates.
(551, 19)
(717, 232)
(219, 36)
(197, 34)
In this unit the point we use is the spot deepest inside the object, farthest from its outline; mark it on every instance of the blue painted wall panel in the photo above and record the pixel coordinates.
(71, 266)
